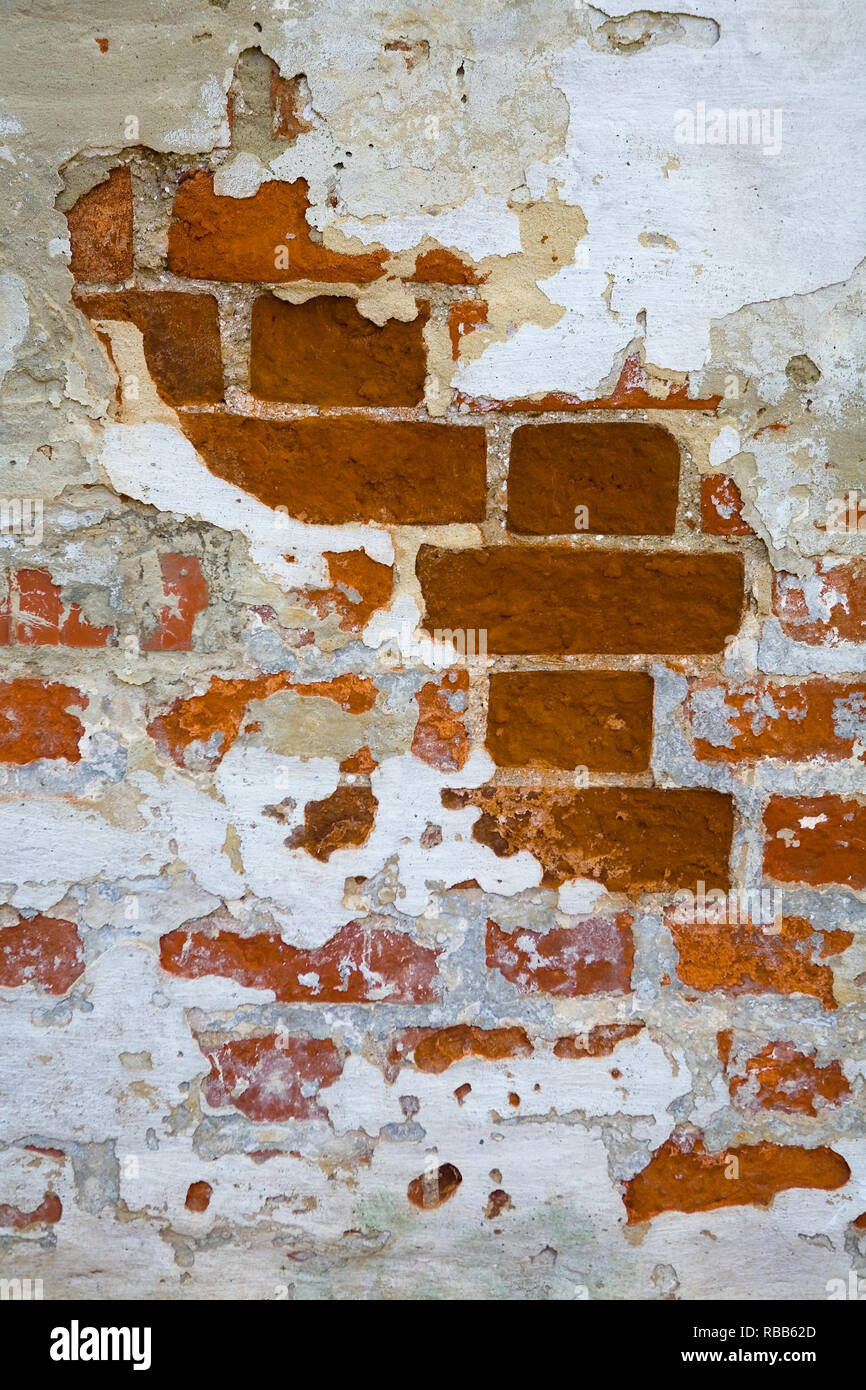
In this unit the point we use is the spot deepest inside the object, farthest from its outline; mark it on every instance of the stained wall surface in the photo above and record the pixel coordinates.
(432, 626)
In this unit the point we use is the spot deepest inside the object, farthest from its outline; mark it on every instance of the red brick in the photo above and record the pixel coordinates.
(742, 957)
(683, 1176)
(543, 600)
(437, 1049)
(829, 607)
(358, 965)
(329, 470)
(440, 737)
(721, 507)
(41, 950)
(774, 719)
(181, 335)
(601, 720)
(42, 619)
(359, 587)
(35, 721)
(223, 238)
(626, 476)
(781, 1077)
(431, 1190)
(324, 352)
(48, 1213)
(100, 231)
(339, 821)
(631, 839)
(277, 1077)
(594, 957)
(186, 590)
(833, 850)
(464, 316)
(599, 1041)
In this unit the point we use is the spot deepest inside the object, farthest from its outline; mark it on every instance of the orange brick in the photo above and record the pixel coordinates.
(187, 593)
(181, 334)
(624, 476)
(35, 721)
(332, 470)
(100, 231)
(324, 352)
(265, 237)
(548, 600)
(721, 507)
(828, 607)
(772, 719)
(816, 840)
(601, 720)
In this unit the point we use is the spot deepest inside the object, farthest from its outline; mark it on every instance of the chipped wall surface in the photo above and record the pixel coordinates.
(433, 620)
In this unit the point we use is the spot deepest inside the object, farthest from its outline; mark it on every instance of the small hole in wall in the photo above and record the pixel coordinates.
(464, 97)
(257, 27)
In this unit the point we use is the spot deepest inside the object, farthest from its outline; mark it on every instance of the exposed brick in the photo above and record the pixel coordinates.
(35, 721)
(329, 471)
(440, 737)
(747, 958)
(100, 231)
(42, 620)
(773, 719)
(358, 965)
(437, 1049)
(683, 1176)
(464, 316)
(187, 593)
(625, 475)
(601, 720)
(181, 336)
(721, 507)
(339, 821)
(599, 1041)
(277, 1077)
(41, 950)
(219, 713)
(443, 267)
(815, 840)
(594, 957)
(543, 600)
(359, 587)
(198, 1196)
(828, 607)
(48, 1213)
(288, 99)
(431, 1190)
(631, 839)
(223, 238)
(325, 352)
(781, 1077)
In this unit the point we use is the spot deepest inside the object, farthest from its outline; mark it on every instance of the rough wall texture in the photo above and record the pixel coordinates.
(433, 619)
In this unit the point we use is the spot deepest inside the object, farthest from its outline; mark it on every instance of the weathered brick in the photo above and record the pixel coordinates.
(601, 720)
(437, 1049)
(440, 737)
(594, 957)
(41, 950)
(359, 586)
(828, 607)
(276, 1077)
(599, 1041)
(721, 507)
(632, 839)
(187, 593)
(816, 840)
(42, 619)
(100, 231)
(358, 965)
(325, 352)
(742, 957)
(624, 476)
(48, 1213)
(181, 335)
(329, 471)
(773, 719)
(265, 237)
(431, 1190)
(198, 1196)
(543, 600)
(443, 267)
(339, 821)
(35, 721)
(465, 316)
(782, 1077)
(683, 1176)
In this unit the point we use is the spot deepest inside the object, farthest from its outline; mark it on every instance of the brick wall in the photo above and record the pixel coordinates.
(434, 862)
